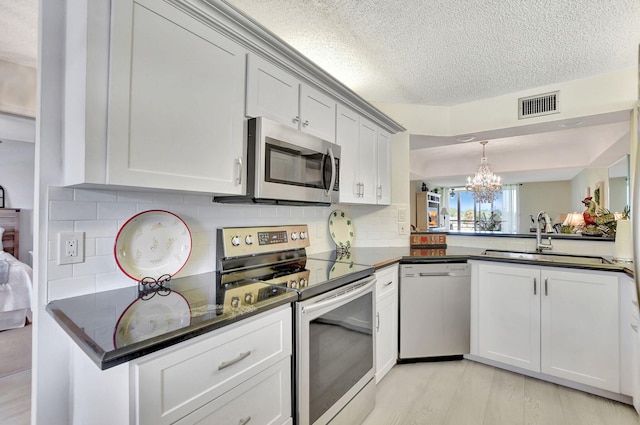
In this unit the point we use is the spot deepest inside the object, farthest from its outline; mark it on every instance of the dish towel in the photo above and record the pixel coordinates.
(4, 272)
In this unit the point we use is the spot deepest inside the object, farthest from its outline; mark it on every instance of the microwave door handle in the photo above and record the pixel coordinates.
(333, 171)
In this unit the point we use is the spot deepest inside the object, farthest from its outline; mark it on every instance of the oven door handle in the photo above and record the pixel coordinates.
(332, 182)
(345, 296)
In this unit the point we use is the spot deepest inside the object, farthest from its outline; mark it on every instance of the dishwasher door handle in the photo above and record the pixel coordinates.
(450, 274)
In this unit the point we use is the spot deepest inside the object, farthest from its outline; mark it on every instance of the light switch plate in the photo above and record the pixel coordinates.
(402, 215)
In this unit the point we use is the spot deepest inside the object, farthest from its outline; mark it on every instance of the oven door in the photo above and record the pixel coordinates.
(294, 166)
(335, 352)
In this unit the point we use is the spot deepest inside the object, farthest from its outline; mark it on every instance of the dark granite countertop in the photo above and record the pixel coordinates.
(117, 326)
(384, 256)
(563, 236)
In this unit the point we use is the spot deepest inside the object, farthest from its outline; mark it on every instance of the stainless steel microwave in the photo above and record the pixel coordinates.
(286, 166)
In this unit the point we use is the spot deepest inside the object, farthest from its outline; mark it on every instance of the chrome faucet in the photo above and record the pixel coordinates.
(543, 217)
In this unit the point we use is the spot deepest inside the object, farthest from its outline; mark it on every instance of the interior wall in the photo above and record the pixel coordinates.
(17, 180)
(552, 197)
(584, 183)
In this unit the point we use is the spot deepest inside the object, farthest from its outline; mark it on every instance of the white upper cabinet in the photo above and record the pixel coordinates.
(176, 101)
(365, 162)
(275, 94)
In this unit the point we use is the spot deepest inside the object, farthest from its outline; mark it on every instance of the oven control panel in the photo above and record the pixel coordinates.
(240, 241)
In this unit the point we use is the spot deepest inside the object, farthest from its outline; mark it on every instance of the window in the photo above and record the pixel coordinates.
(501, 215)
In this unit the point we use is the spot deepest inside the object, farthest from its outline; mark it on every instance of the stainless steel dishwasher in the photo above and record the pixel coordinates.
(434, 310)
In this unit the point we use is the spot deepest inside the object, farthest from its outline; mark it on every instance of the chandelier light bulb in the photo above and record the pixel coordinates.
(484, 185)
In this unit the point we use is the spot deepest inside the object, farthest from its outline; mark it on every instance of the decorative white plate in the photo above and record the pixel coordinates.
(341, 229)
(151, 244)
(146, 318)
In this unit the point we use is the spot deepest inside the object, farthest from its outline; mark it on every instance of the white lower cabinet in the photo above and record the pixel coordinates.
(556, 322)
(234, 375)
(386, 320)
(263, 399)
(170, 386)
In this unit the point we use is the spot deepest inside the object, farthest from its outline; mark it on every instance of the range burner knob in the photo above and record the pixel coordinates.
(293, 284)
(235, 302)
(248, 298)
(303, 282)
(235, 240)
(303, 235)
(294, 236)
(248, 240)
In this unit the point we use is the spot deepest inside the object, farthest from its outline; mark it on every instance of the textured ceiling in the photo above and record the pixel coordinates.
(438, 52)
(446, 52)
(19, 31)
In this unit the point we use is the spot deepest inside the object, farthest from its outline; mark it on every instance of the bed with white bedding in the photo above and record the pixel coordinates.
(16, 286)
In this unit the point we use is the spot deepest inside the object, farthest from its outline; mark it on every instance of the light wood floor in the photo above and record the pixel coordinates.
(15, 376)
(468, 393)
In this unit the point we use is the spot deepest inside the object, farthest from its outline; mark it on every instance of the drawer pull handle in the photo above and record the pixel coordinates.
(388, 283)
(535, 286)
(244, 421)
(240, 357)
(378, 322)
(546, 287)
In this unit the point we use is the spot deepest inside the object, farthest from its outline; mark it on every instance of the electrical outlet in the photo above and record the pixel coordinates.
(70, 247)
(402, 215)
(403, 229)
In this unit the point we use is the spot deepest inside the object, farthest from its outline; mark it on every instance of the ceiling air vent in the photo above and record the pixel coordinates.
(540, 104)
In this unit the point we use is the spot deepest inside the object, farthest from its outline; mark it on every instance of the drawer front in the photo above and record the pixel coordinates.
(263, 399)
(386, 280)
(174, 384)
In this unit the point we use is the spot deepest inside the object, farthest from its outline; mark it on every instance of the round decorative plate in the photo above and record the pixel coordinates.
(146, 318)
(151, 244)
(341, 229)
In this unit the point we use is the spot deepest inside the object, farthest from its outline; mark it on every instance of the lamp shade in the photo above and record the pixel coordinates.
(573, 219)
(444, 211)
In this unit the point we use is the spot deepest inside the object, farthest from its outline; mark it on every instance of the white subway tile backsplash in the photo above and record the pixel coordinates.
(168, 198)
(70, 210)
(114, 280)
(72, 287)
(89, 247)
(56, 272)
(115, 210)
(97, 228)
(56, 227)
(104, 246)
(135, 197)
(95, 195)
(95, 265)
(60, 194)
(198, 199)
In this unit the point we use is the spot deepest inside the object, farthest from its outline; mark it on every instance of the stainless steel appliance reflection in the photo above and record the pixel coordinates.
(334, 316)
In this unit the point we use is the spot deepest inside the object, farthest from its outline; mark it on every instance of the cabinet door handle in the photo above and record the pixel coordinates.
(239, 178)
(296, 119)
(380, 192)
(535, 286)
(362, 192)
(305, 123)
(377, 322)
(231, 362)
(244, 421)
(388, 283)
(634, 327)
(546, 287)
(634, 302)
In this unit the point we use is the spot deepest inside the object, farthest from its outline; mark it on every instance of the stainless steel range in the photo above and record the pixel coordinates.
(334, 338)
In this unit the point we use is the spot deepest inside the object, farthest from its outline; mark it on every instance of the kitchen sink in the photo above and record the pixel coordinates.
(543, 256)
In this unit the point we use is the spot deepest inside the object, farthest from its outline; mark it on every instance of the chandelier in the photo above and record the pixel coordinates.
(484, 185)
